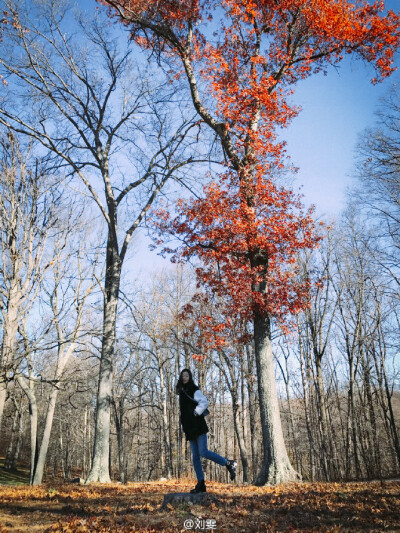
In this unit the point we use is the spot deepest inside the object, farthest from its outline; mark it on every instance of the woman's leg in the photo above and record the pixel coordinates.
(196, 459)
(204, 452)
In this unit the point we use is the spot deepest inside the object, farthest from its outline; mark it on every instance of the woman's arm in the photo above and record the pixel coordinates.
(202, 402)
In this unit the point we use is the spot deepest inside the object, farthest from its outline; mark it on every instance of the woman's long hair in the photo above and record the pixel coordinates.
(190, 383)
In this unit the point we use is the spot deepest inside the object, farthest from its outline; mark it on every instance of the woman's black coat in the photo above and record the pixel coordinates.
(193, 426)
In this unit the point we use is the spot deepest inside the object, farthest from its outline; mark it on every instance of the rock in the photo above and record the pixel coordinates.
(76, 480)
(177, 498)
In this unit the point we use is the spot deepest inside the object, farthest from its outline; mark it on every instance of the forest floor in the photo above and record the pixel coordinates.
(302, 507)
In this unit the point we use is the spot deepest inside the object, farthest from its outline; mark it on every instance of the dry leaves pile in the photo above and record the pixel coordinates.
(304, 507)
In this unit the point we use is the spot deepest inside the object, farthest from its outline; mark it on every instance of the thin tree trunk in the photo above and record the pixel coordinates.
(37, 479)
(392, 419)
(3, 397)
(18, 444)
(166, 444)
(68, 471)
(291, 420)
(228, 371)
(380, 365)
(61, 441)
(307, 405)
(85, 431)
(372, 419)
(63, 358)
(14, 430)
(239, 438)
(322, 416)
(33, 416)
(119, 413)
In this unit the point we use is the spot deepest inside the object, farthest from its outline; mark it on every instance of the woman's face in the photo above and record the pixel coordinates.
(185, 377)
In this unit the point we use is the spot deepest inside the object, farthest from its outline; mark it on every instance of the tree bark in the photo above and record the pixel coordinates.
(276, 467)
(252, 399)
(10, 328)
(100, 464)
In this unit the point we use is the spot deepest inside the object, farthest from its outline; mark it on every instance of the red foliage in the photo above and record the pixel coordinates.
(243, 246)
(250, 52)
(241, 59)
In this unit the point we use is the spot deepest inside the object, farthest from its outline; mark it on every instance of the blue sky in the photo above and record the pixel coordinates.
(321, 141)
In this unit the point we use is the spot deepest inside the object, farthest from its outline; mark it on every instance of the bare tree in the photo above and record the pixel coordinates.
(72, 283)
(109, 127)
(28, 215)
(378, 169)
(318, 320)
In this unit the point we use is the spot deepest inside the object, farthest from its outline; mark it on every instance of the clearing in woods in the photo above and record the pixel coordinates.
(302, 507)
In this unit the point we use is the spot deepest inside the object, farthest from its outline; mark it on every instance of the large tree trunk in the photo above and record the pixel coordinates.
(252, 399)
(10, 328)
(276, 466)
(100, 464)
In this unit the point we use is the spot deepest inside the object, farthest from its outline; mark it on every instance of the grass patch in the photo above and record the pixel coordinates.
(19, 477)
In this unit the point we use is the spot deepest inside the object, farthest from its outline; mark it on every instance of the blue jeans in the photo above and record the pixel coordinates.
(199, 449)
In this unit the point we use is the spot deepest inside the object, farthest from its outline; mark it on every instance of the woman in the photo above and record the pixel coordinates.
(193, 403)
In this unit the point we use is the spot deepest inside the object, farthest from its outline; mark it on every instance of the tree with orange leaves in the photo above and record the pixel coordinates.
(248, 259)
(241, 59)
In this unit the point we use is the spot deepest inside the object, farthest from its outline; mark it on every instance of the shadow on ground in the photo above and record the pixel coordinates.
(304, 507)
